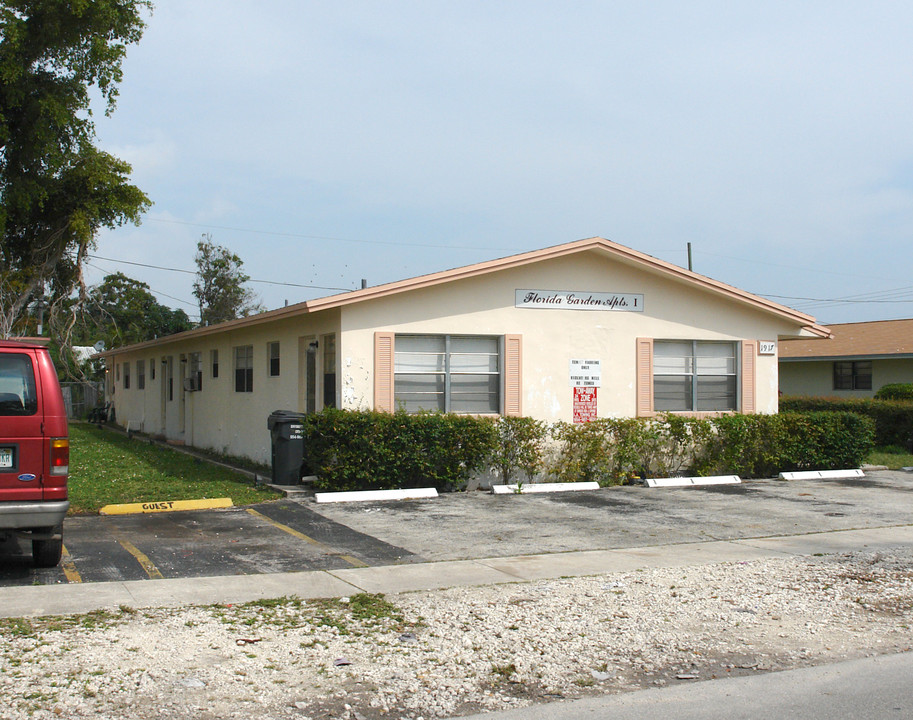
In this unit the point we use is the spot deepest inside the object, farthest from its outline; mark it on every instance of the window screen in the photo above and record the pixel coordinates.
(448, 373)
(694, 375)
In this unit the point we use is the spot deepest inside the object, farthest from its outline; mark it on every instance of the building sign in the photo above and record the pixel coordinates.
(584, 404)
(767, 348)
(585, 373)
(578, 300)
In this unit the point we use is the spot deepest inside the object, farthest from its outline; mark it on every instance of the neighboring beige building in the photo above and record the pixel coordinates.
(586, 329)
(858, 360)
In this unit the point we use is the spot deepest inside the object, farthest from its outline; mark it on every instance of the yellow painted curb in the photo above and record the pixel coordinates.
(165, 506)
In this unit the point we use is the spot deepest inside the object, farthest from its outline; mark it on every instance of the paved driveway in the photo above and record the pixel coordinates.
(482, 525)
(288, 536)
(271, 537)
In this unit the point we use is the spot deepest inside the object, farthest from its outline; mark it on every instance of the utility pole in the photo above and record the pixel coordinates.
(40, 308)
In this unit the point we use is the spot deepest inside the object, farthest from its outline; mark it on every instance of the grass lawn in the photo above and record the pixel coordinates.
(107, 468)
(893, 457)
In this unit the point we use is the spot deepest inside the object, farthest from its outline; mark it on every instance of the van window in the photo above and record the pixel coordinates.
(17, 386)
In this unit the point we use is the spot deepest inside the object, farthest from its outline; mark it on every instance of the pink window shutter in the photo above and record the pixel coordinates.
(749, 376)
(644, 372)
(513, 375)
(383, 371)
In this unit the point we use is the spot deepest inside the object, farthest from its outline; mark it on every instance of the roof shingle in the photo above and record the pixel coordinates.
(863, 339)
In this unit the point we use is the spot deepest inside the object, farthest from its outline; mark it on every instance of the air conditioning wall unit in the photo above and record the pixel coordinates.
(191, 384)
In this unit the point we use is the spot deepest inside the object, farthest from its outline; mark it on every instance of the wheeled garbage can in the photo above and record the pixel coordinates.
(287, 434)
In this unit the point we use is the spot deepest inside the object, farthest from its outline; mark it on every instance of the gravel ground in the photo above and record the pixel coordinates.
(452, 652)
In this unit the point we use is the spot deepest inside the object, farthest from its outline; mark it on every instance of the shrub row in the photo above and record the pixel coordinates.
(611, 451)
(377, 451)
(895, 391)
(893, 418)
(372, 451)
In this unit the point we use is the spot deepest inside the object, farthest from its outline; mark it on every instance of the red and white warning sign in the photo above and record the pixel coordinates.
(584, 404)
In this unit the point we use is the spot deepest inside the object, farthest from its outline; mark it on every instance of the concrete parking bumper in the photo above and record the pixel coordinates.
(80, 598)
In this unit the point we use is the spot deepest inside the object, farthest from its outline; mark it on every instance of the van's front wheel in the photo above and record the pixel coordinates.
(47, 553)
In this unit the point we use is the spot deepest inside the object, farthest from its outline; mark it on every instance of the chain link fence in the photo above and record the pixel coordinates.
(81, 398)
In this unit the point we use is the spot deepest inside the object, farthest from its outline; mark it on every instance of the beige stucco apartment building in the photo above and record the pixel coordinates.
(572, 332)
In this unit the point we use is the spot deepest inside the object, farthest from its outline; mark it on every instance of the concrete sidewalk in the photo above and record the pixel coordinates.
(63, 599)
(871, 688)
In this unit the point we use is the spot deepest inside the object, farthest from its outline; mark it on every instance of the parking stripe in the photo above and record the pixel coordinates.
(354, 562)
(151, 570)
(69, 569)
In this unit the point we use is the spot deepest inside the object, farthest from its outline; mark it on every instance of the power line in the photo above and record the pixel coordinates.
(157, 292)
(836, 301)
(779, 265)
(193, 272)
(333, 239)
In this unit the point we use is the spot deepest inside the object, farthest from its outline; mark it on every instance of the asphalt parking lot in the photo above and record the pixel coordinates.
(272, 537)
(290, 535)
(477, 525)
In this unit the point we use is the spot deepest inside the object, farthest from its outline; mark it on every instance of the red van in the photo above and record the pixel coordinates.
(34, 450)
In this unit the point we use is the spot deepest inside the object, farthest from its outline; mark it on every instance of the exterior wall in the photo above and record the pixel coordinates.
(551, 337)
(217, 417)
(816, 377)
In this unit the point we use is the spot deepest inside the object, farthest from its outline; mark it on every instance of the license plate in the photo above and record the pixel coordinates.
(6, 457)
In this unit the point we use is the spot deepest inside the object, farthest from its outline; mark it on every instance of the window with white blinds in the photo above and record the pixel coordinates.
(447, 373)
(695, 375)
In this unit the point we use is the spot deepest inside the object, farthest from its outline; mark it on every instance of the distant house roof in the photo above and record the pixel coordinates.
(596, 244)
(879, 339)
(82, 353)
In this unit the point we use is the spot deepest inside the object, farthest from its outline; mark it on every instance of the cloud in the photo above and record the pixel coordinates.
(775, 130)
(154, 157)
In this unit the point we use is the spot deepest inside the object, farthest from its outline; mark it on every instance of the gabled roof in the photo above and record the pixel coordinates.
(879, 339)
(599, 245)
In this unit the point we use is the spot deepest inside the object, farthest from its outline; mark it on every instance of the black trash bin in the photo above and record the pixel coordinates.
(287, 433)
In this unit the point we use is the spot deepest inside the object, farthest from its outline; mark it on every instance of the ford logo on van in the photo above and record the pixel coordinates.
(27, 477)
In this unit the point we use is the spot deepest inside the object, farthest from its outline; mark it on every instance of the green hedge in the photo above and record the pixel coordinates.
(764, 445)
(378, 451)
(893, 418)
(373, 451)
(895, 391)
(612, 451)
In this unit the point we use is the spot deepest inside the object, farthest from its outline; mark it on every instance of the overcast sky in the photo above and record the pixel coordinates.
(326, 142)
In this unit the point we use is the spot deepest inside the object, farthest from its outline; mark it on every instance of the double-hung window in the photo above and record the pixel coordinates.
(694, 375)
(196, 370)
(272, 353)
(447, 373)
(244, 368)
(853, 375)
(140, 374)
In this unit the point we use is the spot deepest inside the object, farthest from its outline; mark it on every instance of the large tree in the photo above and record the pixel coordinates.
(118, 311)
(121, 311)
(57, 190)
(219, 287)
